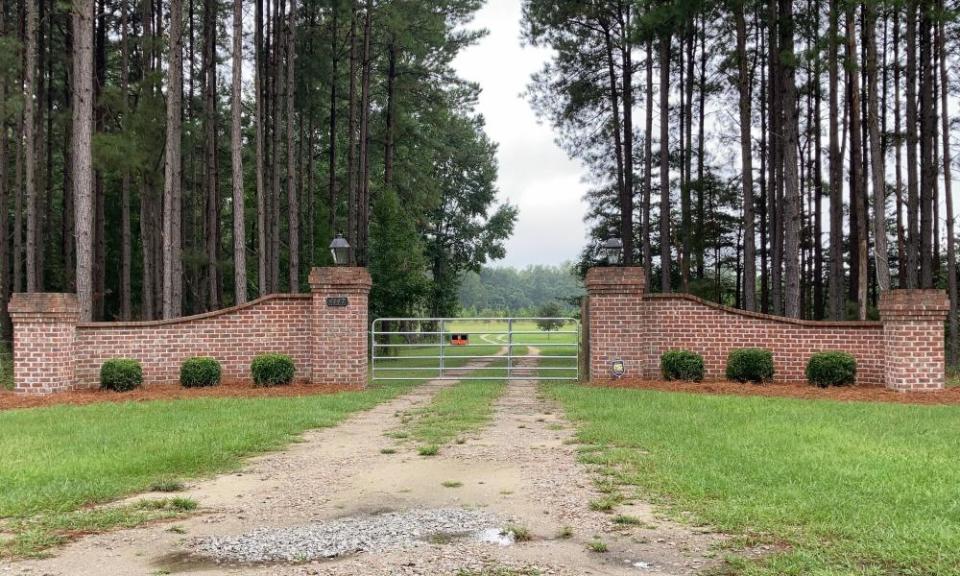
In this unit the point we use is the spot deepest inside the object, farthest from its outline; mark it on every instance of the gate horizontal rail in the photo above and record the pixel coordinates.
(475, 348)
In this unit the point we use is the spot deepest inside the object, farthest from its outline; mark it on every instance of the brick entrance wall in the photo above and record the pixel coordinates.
(904, 351)
(328, 344)
(276, 323)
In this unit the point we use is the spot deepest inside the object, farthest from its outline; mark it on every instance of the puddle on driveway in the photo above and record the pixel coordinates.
(495, 536)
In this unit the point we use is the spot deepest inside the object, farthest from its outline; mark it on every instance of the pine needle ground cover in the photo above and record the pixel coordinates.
(841, 488)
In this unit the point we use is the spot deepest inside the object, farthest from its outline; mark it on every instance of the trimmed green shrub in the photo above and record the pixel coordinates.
(831, 369)
(681, 365)
(272, 370)
(750, 365)
(199, 371)
(120, 374)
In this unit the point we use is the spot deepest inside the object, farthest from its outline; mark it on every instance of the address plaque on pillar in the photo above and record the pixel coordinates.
(337, 301)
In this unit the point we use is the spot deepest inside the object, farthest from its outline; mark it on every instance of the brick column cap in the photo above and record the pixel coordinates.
(43, 304)
(914, 304)
(340, 279)
(615, 280)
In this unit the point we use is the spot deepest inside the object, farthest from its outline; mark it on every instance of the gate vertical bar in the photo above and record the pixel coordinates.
(443, 341)
(579, 329)
(509, 348)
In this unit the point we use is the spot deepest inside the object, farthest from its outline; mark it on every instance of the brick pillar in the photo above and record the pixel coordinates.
(913, 338)
(44, 330)
(340, 325)
(615, 321)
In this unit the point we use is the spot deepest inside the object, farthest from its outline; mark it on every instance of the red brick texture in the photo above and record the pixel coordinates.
(339, 353)
(44, 341)
(614, 318)
(278, 323)
(913, 338)
(53, 352)
(904, 351)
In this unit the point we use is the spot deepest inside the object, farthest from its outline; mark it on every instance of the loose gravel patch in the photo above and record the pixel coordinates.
(376, 533)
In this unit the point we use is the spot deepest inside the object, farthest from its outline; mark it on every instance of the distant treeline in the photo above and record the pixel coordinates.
(520, 292)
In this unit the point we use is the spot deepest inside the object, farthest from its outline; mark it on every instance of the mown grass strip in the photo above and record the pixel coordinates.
(851, 488)
(34, 535)
(62, 458)
(462, 407)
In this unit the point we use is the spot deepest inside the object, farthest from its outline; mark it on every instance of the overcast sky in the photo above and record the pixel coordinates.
(535, 175)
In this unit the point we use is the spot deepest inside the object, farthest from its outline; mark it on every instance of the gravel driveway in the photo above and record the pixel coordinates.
(335, 505)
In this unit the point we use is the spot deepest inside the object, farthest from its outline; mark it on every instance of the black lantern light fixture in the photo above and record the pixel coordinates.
(340, 249)
(612, 251)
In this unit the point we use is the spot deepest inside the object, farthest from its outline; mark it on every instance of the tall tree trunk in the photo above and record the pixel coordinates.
(126, 251)
(819, 311)
(665, 162)
(211, 185)
(45, 236)
(18, 283)
(147, 215)
(764, 157)
(172, 265)
(876, 154)
(775, 160)
(259, 71)
(99, 188)
(5, 331)
(648, 167)
(746, 157)
(626, 201)
(791, 195)
(698, 233)
(390, 128)
(927, 130)
(352, 138)
(686, 128)
(236, 157)
(30, 143)
(332, 135)
(913, 222)
(311, 197)
(857, 195)
(82, 151)
(948, 194)
(276, 162)
(293, 205)
(363, 208)
(902, 248)
(613, 95)
(67, 235)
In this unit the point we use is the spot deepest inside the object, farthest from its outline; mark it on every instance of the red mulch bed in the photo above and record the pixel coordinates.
(794, 390)
(236, 389)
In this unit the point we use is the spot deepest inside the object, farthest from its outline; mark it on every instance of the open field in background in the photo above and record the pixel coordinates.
(421, 352)
(837, 488)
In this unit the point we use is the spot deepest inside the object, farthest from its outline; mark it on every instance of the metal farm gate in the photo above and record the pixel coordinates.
(475, 349)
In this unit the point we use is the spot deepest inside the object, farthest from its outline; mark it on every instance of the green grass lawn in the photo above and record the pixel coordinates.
(850, 488)
(461, 408)
(61, 458)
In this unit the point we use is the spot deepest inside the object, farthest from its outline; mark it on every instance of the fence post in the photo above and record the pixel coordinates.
(44, 332)
(340, 328)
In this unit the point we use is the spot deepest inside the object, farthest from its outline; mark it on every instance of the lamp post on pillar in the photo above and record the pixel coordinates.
(340, 249)
(612, 250)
